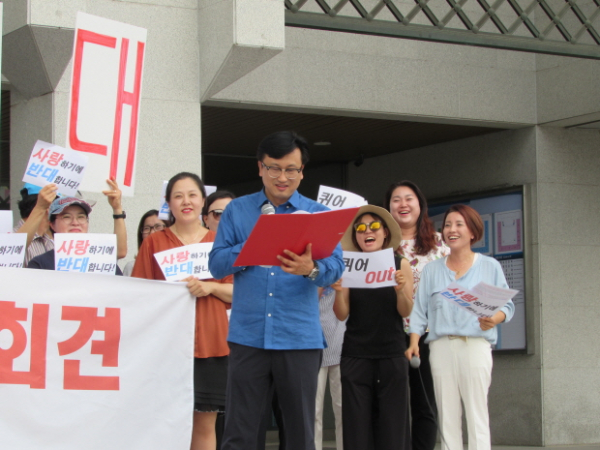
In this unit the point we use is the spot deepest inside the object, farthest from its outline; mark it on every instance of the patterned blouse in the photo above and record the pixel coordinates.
(417, 262)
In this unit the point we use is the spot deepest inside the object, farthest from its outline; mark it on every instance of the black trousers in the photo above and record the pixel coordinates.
(380, 387)
(252, 372)
(424, 428)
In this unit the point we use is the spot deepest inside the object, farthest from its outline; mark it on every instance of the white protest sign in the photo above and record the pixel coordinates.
(6, 221)
(92, 361)
(85, 252)
(338, 198)
(12, 249)
(163, 211)
(483, 300)
(369, 270)
(104, 104)
(181, 262)
(50, 163)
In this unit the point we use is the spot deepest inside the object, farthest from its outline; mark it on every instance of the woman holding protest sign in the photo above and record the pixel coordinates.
(185, 195)
(460, 343)
(420, 244)
(374, 370)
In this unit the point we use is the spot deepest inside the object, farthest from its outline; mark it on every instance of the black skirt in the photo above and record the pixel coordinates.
(210, 383)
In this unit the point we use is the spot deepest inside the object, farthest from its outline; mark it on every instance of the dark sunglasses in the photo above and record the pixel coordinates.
(216, 213)
(362, 227)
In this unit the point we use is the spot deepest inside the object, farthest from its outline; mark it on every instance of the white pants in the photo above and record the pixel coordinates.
(335, 387)
(462, 369)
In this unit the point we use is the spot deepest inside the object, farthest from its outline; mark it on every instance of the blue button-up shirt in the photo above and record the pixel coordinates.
(271, 309)
(446, 319)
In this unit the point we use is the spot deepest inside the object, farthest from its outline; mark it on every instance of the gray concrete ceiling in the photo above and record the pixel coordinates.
(230, 137)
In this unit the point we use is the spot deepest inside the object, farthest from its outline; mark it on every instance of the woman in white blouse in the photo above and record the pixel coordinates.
(460, 343)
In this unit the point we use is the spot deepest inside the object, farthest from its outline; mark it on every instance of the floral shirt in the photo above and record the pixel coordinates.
(417, 262)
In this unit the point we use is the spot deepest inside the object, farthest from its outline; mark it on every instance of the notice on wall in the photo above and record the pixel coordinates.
(104, 104)
(369, 270)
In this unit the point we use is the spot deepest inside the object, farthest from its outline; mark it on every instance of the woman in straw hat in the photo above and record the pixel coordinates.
(374, 369)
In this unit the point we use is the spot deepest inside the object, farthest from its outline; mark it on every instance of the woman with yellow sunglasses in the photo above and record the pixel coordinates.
(374, 370)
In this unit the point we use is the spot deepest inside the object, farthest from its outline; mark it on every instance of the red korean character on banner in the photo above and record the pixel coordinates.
(10, 316)
(108, 348)
(182, 256)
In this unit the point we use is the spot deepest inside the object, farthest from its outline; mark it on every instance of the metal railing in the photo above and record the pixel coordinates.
(559, 27)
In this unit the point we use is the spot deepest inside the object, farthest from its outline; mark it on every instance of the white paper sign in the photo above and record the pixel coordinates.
(369, 270)
(85, 252)
(338, 198)
(50, 163)
(483, 300)
(104, 104)
(6, 221)
(182, 262)
(92, 361)
(163, 211)
(12, 249)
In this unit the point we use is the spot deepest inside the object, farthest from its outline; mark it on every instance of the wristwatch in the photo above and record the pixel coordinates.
(119, 216)
(313, 273)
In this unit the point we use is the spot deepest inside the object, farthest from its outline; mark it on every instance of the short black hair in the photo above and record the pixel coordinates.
(217, 195)
(281, 143)
(140, 229)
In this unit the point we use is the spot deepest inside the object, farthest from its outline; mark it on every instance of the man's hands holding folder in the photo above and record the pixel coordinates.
(297, 264)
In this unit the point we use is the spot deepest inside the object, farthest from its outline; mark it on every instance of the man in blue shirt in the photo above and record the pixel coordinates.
(275, 334)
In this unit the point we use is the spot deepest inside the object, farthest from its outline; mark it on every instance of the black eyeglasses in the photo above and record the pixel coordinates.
(362, 227)
(216, 213)
(156, 227)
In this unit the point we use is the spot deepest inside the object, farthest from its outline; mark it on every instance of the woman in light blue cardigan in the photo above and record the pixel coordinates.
(460, 343)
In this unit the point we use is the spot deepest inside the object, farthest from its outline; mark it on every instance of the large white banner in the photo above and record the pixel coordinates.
(94, 363)
(104, 105)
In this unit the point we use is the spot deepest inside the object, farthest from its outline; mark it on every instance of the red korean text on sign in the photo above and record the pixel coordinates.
(108, 348)
(10, 316)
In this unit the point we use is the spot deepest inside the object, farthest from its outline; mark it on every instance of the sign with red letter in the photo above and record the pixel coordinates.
(104, 105)
(94, 363)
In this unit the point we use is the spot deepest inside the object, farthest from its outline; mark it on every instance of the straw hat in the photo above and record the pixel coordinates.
(392, 226)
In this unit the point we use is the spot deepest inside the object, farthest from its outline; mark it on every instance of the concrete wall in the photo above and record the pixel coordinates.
(568, 214)
(169, 131)
(381, 77)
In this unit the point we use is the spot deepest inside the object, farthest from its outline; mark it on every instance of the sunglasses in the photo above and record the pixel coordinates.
(362, 227)
(216, 213)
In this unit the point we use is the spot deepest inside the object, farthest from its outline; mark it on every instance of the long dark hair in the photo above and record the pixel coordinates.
(425, 239)
(182, 176)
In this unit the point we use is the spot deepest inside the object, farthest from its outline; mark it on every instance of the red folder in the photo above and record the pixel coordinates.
(274, 233)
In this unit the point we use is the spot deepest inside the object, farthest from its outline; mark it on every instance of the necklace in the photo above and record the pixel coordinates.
(460, 268)
(194, 239)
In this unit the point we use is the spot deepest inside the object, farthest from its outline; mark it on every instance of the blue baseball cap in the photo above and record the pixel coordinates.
(60, 203)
